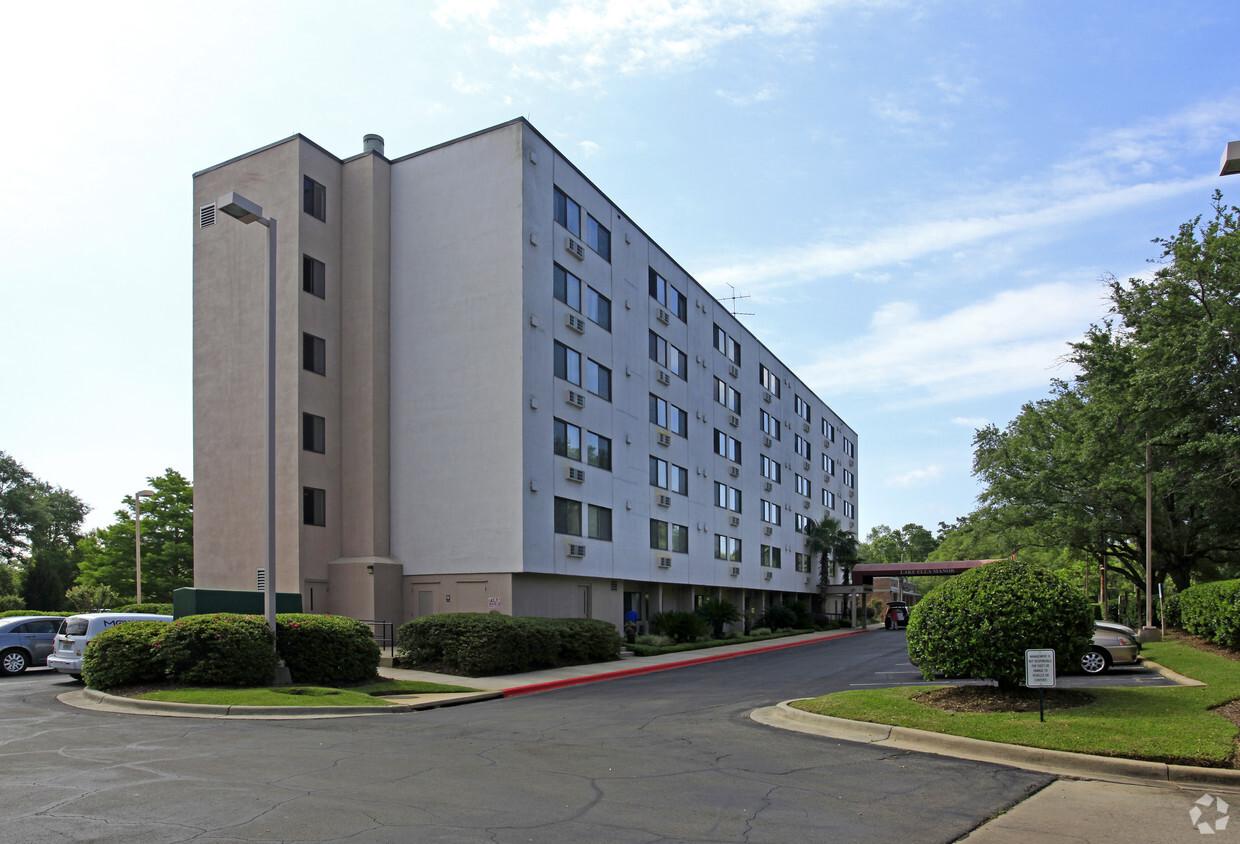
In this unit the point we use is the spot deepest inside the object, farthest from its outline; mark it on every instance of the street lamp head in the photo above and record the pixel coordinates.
(235, 205)
(1230, 165)
(145, 493)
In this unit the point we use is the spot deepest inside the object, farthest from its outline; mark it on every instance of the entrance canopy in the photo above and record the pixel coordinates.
(910, 569)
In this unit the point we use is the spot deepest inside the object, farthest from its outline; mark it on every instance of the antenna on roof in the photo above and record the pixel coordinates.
(732, 300)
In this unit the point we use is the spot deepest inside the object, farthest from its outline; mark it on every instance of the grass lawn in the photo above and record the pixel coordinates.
(367, 695)
(1165, 724)
(656, 650)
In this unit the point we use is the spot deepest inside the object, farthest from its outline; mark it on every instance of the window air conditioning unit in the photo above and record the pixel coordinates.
(734, 372)
(665, 562)
(768, 575)
(575, 474)
(576, 399)
(662, 316)
(665, 439)
(805, 466)
(767, 486)
(766, 397)
(575, 248)
(805, 504)
(735, 521)
(576, 323)
(805, 427)
(736, 571)
(734, 472)
(665, 501)
(734, 421)
(851, 463)
(664, 378)
(767, 530)
(576, 550)
(826, 443)
(766, 441)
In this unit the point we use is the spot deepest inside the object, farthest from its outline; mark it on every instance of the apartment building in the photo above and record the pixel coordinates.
(494, 392)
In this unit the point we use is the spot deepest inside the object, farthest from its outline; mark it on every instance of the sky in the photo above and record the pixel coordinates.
(920, 202)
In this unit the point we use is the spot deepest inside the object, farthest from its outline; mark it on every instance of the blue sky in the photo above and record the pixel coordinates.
(920, 199)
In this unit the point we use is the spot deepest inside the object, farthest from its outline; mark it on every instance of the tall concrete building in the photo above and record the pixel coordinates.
(494, 391)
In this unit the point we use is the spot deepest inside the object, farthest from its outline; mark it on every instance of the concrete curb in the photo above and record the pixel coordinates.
(94, 699)
(1058, 762)
(1179, 679)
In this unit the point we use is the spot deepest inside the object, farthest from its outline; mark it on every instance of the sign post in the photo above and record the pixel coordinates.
(1040, 673)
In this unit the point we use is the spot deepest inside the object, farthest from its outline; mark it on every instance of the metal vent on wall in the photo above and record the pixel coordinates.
(206, 216)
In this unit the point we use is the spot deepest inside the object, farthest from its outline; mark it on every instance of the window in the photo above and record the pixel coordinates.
(313, 198)
(727, 396)
(850, 480)
(567, 288)
(658, 535)
(727, 548)
(801, 446)
(598, 308)
(802, 522)
(598, 451)
(680, 539)
(771, 557)
(568, 516)
(658, 472)
(313, 506)
(849, 448)
(828, 430)
(727, 497)
(769, 381)
(770, 468)
(669, 416)
(728, 447)
(598, 523)
(730, 348)
(802, 408)
(313, 354)
(678, 479)
(803, 486)
(313, 433)
(771, 512)
(770, 425)
(598, 379)
(677, 362)
(658, 411)
(828, 499)
(567, 440)
(828, 464)
(567, 364)
(669, 476)
(803, 562)
(849, 510)
(598, 238)
(314, 276)
(668, 296)
(658, 349)
(669, 537)
(567, 212)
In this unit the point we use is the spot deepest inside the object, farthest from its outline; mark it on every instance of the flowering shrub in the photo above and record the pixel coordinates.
(326, 649)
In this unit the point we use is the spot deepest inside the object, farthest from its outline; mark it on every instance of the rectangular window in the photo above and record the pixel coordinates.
(313, 276)
(668, 296)
(849, 448)
(568, 516)
(802, 522)
(801, 446)
(313, 354)
(567, 288)
(598, 238)
(313, 198)
(313, 506)
(727, 497)
(803, 562)
(770, 425)
(802, 408)
(828, 464)
(678, 421)
(727, 548)
(803, 486)
(658, 472)
(598, 379)
(769, 380)
(680, 538)
(658, 535)
(727, 396)
(730, 348)
(658, 349)
(598, 308)
(771, 557)
(658, 411)
(850, 480)
(567, 364)
(849, 510)
(828, 430)
(598, 451)
(771, 512)
(567, 212)
(567, 440)
(678, 479)
(770, 468)
(313, 433)
(599, 523)
(728, 447)
(828, 499)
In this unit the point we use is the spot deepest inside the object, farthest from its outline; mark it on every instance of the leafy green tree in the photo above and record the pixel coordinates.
(834, 546)
(911, 543)
(88, 598)
(108, 554)
(39, 525)
(717, 612)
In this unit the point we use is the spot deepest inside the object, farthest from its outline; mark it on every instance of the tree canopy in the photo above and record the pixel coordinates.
(39, 525)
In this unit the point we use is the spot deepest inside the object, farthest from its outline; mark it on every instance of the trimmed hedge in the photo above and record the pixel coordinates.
(155, 609)
(1212, 611)
(979, 623)
(16, 613)
(477, 644)
(326, 650)
(222, 649)
(124, 655)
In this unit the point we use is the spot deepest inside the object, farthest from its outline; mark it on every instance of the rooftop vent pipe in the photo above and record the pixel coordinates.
(372, 143)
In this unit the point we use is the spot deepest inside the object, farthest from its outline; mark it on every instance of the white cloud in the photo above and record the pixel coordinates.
(761, 96)
(463, 86)
(589, 149)
(974, 422)
(448, 12)
(916, 477)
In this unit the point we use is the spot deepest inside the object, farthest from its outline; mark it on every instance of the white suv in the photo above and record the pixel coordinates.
(76, 632)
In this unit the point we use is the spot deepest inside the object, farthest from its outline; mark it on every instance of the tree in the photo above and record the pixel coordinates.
(39, 526)
(108, 554)
(833, 546)
(717, 612)
(911, 543)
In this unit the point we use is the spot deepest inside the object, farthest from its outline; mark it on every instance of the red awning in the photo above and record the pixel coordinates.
(910, 569)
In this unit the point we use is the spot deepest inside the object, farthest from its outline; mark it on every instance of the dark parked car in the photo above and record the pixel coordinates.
(1114, 644)
(26, 640)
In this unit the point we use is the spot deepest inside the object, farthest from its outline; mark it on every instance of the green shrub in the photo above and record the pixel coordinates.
(679, 625)
(777, 617)
(92, 598)
(10, 603)
(15, 613)
(222, 649)
(1212, 611)
(1171, 610)
(124, 655)
(717, 612)
(653, 640)
(326, 650)
(760, 631)
(154, 609)
(979, 623)
(477, 644)
(801, 616)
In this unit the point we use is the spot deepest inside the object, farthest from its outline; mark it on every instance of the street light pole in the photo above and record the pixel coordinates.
(137, 539)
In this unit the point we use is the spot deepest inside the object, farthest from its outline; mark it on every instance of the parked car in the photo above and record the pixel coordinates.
(896, 615)
(1114, 644)
(76, 631)
(26, 640)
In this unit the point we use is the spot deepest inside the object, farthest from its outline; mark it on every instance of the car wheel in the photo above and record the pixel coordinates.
(1095, 661)
(14, 661)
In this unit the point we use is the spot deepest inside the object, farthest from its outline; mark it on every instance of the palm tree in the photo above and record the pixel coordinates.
(833, 546)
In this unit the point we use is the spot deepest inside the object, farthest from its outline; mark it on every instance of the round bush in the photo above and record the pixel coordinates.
(325, 650)
(123, 655)
(979, 623)
(223, 649)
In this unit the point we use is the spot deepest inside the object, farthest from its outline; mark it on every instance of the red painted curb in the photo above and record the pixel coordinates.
(650, 669)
